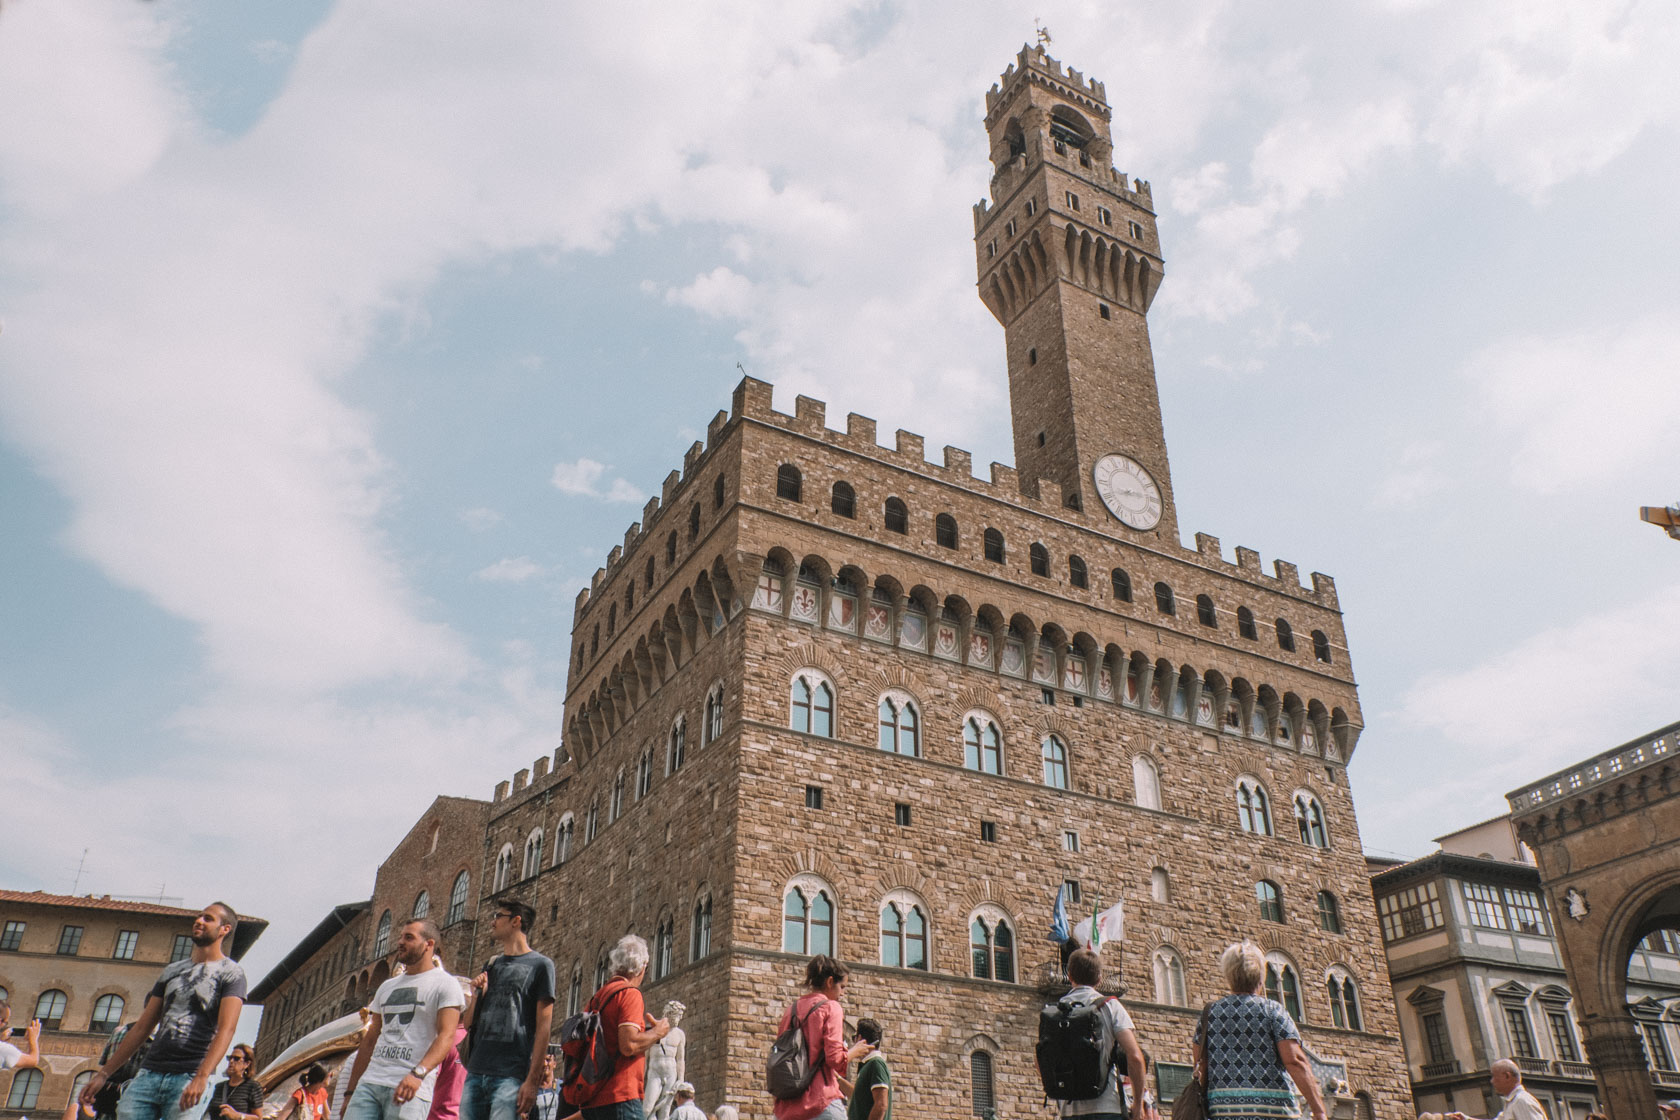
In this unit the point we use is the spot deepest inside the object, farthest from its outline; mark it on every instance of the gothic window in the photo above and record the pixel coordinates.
(700, 931)
(422, 907)
(1122, 584)
(615, 805)
(458, 898)
(994, 546)
(713, 730)
(1160, 885)
(717, 492)
(1286, 636)
(1254, 810)
(563, 839)
(945, 531)
(1271, 900)
(1309, 821)
(533, 854)
(382, 932)
(991, 944)
(843, 502)
(663, 936)
(107, 1014)
(629, 596)
(812, 707)
(693, 522)
(504, 872)
(644, 774)
(1146, 782)
(1168, 970)
(612, 619)
(1321, 646)
(574, 994)
(592, 823)
(1055, 763)
(1245, 623)
(904, 932)
(900, 733)
(677, 752)
(1164, 599)
(788, 482)
(1344, 1003)
(808, 917)
(982, 1087)
(671, 549)
(1283, 983)
(982, 745)
(603, 969)
(1077, 575)
(1204, 611)
(1040, 560)
(647, 574)
(897, 516)
(1329, 913)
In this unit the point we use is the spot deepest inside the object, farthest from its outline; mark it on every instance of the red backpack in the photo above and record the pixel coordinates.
(590, 1052)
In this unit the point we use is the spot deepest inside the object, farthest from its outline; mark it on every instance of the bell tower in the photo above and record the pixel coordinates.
(1069, 262)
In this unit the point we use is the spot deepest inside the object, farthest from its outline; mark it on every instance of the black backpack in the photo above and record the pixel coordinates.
(590, 1054)
(1072, 1061)
(789, 1069)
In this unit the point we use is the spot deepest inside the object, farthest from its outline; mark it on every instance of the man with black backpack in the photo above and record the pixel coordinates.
(1085, 1043)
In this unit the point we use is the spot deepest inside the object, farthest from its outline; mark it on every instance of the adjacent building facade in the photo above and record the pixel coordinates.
(83, 965)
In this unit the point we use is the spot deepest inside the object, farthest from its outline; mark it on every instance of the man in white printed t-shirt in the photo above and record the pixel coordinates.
(11, 1056)
(414, 1017)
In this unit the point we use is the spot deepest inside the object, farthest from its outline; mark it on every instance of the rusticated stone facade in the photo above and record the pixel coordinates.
(1143, 697)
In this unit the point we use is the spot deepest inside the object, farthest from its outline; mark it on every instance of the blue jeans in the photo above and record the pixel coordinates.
(378, 1102)
(623, 1110)
(487, 1097)
(157, 1096)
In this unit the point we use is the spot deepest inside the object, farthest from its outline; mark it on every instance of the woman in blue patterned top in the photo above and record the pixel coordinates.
(1251, 1044)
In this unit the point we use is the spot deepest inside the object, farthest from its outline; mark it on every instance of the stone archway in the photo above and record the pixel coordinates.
(1606, 834)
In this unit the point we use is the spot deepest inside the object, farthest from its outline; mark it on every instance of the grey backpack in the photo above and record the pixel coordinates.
(788, 1072)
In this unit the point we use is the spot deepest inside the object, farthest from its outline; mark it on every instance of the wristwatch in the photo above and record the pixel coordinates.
(420, 1072)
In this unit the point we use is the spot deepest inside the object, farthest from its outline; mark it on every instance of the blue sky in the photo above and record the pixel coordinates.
(339, 341)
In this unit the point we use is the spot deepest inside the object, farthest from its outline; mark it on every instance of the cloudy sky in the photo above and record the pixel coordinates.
(340, 340)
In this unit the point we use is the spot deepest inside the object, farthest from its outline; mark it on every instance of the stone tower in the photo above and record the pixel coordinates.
(1069, 262)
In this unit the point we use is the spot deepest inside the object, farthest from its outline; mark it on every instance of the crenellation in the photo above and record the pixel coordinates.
(614, 556)
(1208, 546)
(581, 601)
(959, 462)
(520, 779)
(501, 791)
(714, 430)
(1005, 479)
(595, 580)
(650, 510)
(860, 428)
(691, 458)
(752, 399)
(810, 415)
(1249, 560)
(539, 769)
(1049, 494)
(1325, 588)
(668, 488)
(909, 445)
(1287, 573)
(630, 535)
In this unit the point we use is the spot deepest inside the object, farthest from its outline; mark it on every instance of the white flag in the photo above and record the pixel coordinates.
(1112, 922)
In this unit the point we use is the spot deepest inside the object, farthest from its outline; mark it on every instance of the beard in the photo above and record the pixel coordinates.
(205, 940)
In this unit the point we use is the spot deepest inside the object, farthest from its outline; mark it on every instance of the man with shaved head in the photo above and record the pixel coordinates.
(1519, 1102)
(413, 1026)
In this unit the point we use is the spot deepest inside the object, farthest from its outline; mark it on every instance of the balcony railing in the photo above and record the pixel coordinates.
(1533, 1065)
(1666, 1077)
(1609, 766)
(1440, 1069)
(1574, 1069)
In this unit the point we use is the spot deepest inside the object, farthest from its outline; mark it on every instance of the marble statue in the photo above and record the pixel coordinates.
(665, 1066)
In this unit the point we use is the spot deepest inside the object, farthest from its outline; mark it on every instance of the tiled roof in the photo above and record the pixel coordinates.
(94, 902)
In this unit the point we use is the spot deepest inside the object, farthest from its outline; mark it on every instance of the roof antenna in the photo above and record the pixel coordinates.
(742, 368)
(1042, 32)
(77, 885)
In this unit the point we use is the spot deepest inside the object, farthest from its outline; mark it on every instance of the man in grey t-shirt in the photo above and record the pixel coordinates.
(1084, 969)
(414, 1017)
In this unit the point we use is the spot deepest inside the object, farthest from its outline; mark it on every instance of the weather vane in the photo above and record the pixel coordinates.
(1041, 31)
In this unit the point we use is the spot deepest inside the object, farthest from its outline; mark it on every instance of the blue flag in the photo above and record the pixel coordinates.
(1058, 918)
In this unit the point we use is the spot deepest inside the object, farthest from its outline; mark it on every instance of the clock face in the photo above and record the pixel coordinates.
(1128, 491)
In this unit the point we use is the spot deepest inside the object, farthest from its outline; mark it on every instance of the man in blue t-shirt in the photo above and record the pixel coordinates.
(194, 1007)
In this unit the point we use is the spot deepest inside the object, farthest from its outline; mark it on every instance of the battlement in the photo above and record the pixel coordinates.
(533, 776)
(1136, 191)
(1034, 62)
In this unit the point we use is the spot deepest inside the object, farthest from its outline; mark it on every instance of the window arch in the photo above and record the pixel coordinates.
(713, 729)
(458, 898)
(574, 994)
(945, 531)
(422, 907)
(1245, 624)
(991, 945)
(1321, 646)
(982, 1084)
(808, 917)
(107, 1014)
(994, 546)
(563, 838)
(904, 931)
(1285, 636)
(1204, 612)
(1329, 913)
(592, 823)
(1040, 558)
(1077, 575)
(1146, 782)
(1254, 808)
(1164, 599)
(1160, 885)
(1283, 983)
(664, 934)
(647, 573)
(382, 935)
(900, 730)
(1270, 897)
(788, 482)
(671, 548)
(1168, 971)
(700, 930)
(693, 522)
(533, 853)
(1054, 753)
(1344, 999)
(644, 774)
(1121, 584)
(1309, 820)
(843, 501)
(612, 618)
(676, 747)
(26, 1088)
(615, 804)
(717, 492)
(897, 516)
(812, 704)
(982, 744)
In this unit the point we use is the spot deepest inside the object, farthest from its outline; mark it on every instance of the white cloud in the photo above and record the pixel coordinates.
(1419, 473)
(512, 569)
(721, 292)
(583, 478)
(481, 518)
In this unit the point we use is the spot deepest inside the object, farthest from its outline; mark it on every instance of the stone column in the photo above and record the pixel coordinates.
(1618, 1057)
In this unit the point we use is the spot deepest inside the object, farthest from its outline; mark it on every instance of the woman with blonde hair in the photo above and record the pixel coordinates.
(1246, 1044)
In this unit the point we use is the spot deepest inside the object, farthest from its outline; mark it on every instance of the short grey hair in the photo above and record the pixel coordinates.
(629, 956)
(1506, 1065)
(1244, 966)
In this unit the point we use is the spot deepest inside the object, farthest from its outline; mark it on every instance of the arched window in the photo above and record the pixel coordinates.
(982, 1088)
(671, 549)
(843, 501)
(592, 823)
(812, 707)
(693, 522)
(897, 516)
(1077, 575)
(1271, 900)
(808, 917)
(991, 945)
(615, 805)
(904, 932)
(1321, 646)
(1164, 599)
(533, 851)
(107, 1014)
(563, 839)
(80, 1083)
(700, 932)
(713, 730)
(1309, 821)
(603, 969)
(1169, 976)
(717, 492)
(574, 994)
(1146, 782)
(1245, 623)
(982, 745)
(676, 751)
(644, 774)
(1283, 984)
(458, 898)
(422, 907)
(788, 482)
(663, 935)
(994, 546)
(1286, 636)
(647, 573)
(1160, 885)
(1204, 611)
(382, 935)
(1344, 1000)
(629, 597)
(1254, 809)
(945, 531)
(900, 732)
(1055, 763)
(1122, 584)
(612, 618)
(1040, 560)
(1329, 913)
(26, 1087)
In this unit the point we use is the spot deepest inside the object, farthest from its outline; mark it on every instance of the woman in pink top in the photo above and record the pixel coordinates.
(825, 1041)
